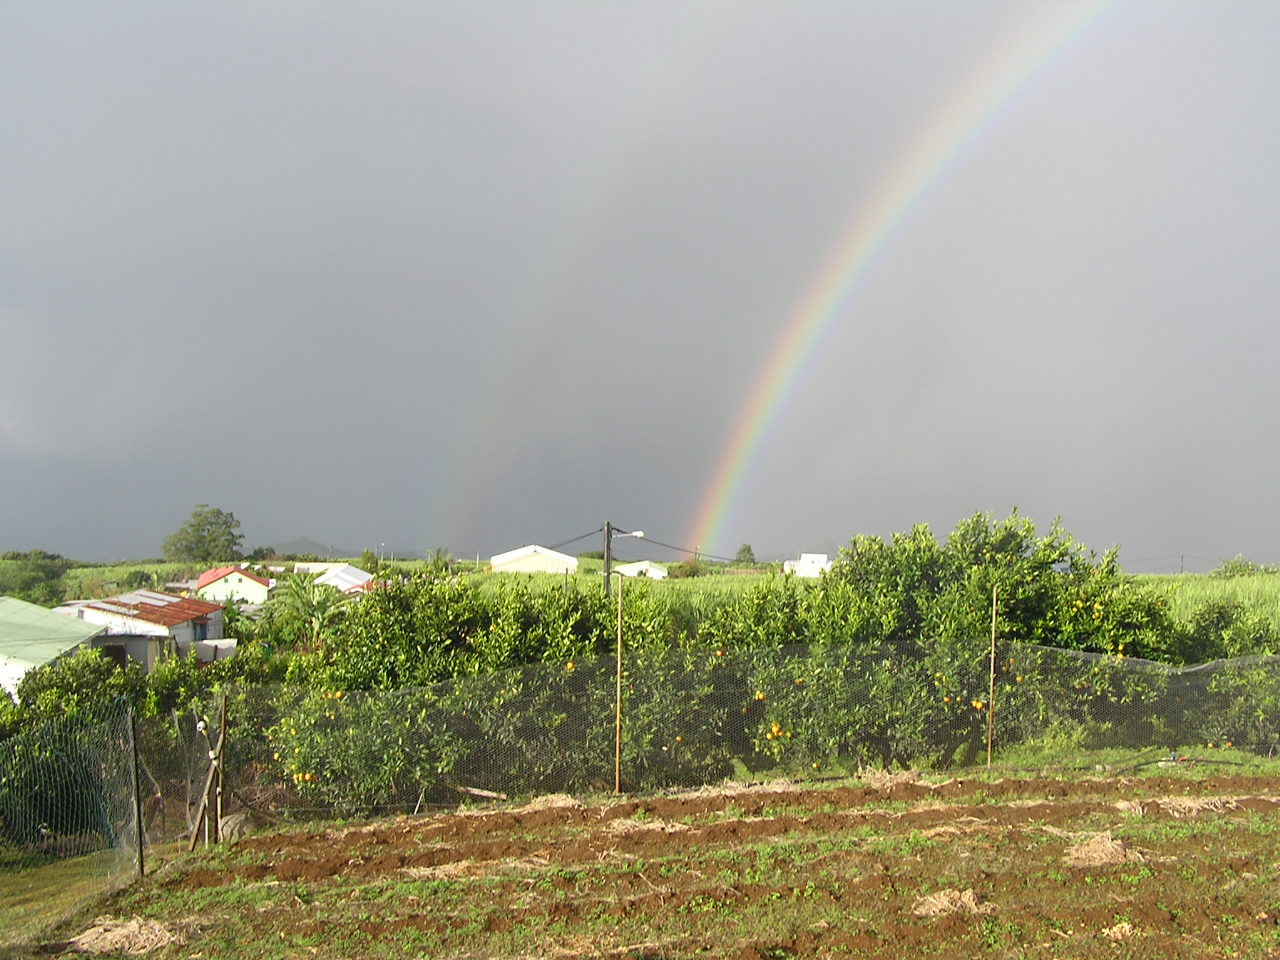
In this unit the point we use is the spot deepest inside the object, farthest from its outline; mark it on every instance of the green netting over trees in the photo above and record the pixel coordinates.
(696, 715)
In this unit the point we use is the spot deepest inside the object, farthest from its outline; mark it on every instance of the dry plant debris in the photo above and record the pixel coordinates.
(134, 937)
(945, 902)
(1100, 850)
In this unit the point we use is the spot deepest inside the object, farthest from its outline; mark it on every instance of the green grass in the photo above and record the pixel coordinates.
(89, 582)
(1259, 593)
(33, 899)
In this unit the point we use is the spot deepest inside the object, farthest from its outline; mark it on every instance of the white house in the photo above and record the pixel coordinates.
(31, 636)
(184, 624)
(533, 559)
(345, 578)
(642, 568)
(809, 565)
(232, 583)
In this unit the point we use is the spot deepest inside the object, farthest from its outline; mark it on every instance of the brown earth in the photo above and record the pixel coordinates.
(1143, 867)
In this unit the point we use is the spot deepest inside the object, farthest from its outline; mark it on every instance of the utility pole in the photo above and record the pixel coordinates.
(610, 531)
(608, 554)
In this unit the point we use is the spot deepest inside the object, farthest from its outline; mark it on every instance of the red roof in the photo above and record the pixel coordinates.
(217, 573)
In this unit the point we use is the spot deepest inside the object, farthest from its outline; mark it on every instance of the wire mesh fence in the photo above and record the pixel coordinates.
(68, 825)
(688, 716)
(691, 716)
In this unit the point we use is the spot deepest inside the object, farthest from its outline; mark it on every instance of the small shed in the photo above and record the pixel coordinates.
(642, 568)
(533, 559)
(31, 636)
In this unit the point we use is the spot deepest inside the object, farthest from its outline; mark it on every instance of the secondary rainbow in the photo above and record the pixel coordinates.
(452, 509)
(925, 160)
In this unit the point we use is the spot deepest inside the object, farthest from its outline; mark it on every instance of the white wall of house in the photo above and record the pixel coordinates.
(11, 671)
(234, 586)
(120, 623)
(188, 631)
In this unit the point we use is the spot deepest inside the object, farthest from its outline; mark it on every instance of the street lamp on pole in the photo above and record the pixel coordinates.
(610, 531)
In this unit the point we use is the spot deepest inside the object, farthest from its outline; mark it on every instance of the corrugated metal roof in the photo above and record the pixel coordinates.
(346, 578)
(32, 635)
(151, 606)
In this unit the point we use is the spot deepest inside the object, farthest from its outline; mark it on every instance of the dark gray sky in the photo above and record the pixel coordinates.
(479, 274)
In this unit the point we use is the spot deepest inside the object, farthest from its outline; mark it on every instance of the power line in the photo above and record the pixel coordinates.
(692, 552)
(565, 543)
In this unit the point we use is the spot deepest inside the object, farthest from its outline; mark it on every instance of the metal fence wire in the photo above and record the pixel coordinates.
(692, 716)
(689, 716)
(68, 828)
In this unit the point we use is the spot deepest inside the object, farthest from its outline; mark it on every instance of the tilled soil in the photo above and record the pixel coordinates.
(1143, 867)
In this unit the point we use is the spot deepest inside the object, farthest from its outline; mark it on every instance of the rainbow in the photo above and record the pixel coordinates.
(914, 171)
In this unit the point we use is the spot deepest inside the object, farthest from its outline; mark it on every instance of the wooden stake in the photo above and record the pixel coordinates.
(991, 691)
(137, 792)
(202, 812)
(617, 719)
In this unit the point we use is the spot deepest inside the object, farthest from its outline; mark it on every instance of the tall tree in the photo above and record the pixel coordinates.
(745, 554)
(208, 536)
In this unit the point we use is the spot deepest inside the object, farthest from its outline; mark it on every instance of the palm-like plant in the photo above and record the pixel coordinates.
(306, 612)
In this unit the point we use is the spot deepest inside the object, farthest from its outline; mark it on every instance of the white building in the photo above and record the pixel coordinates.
(533, 559)
(345, 578)
(642, 568)
(232, 583)
(809, 565)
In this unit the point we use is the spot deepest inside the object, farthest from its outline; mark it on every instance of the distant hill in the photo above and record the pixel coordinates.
(307, 545)
(332, 551)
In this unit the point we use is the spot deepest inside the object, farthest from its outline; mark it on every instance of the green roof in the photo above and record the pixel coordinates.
(32, 635)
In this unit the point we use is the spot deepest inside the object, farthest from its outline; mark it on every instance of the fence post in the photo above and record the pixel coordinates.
(991, 691)
(137, 791)
(617, 720)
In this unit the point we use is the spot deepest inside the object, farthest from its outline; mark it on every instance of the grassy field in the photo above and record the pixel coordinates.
(1185, 592)
(1162, 861)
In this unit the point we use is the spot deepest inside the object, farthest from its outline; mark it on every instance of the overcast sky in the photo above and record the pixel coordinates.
(478, 274)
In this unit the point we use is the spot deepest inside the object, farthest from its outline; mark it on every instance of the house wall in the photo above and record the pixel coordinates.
(11, 671)
(118, 623)
(234, 586)
(187, 632)
(145, 651)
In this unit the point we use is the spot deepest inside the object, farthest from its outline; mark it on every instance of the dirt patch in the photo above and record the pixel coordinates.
(891, 868)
